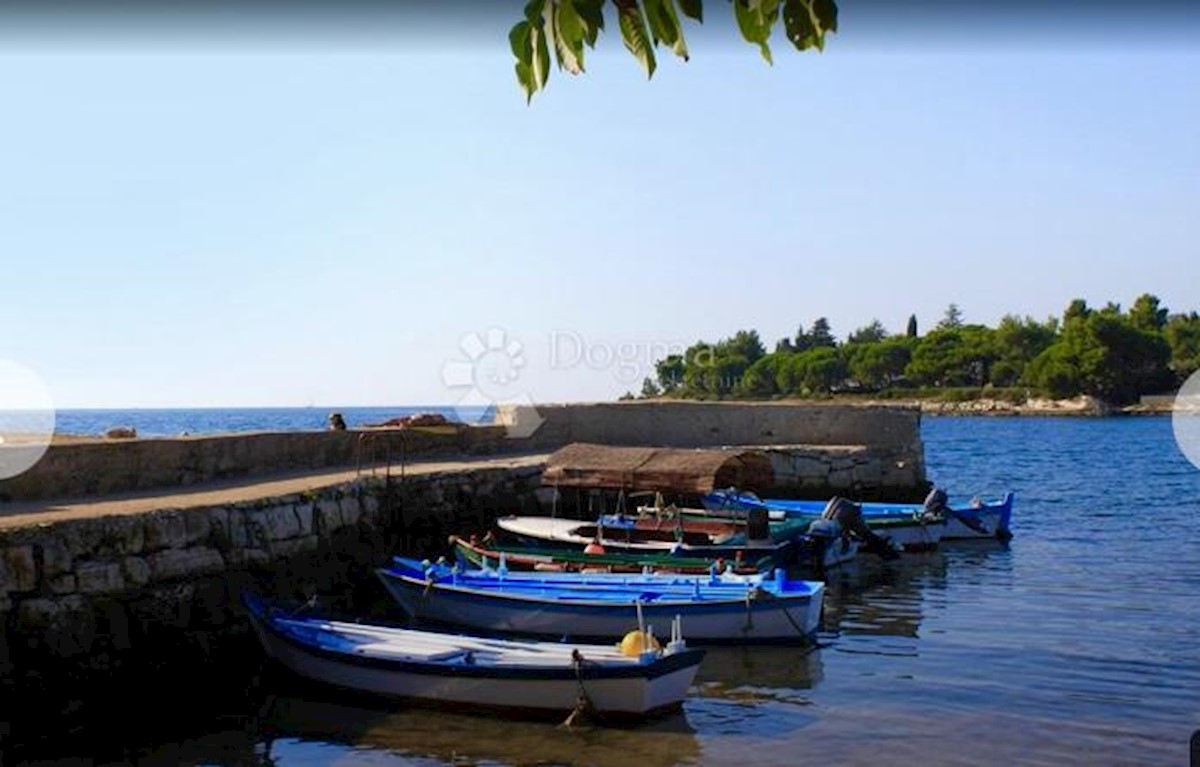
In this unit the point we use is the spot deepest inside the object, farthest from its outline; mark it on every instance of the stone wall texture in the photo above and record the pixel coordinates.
(90, 589)
(106, 467)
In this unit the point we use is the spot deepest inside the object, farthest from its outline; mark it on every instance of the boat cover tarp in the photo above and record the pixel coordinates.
(676, 470)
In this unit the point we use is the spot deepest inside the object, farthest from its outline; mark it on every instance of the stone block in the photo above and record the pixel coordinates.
(371, 507)
(293, 546)
(99, 578)
(165, 530)
(351, 510)
(841, 480)
(868, 474)
(21, 568)
(44, 612)
(239, 531)
(136, 571)
(197, 526)
(304, 515)
(277, 523)
(329, 512)
(62, 584)
(181, 563)
(124, 534)
(249, 558)
(56, 558)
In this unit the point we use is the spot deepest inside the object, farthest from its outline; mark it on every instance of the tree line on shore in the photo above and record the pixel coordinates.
(1111, 354)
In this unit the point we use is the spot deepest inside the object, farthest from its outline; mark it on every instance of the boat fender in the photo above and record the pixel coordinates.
(637, 642)
(593, 548)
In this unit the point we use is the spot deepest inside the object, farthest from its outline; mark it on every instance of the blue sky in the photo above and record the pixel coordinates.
(302, 224)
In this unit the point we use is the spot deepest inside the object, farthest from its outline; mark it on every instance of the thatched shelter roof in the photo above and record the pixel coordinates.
(676, 470)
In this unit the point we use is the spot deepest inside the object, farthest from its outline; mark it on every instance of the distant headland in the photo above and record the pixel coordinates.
(1089, 361)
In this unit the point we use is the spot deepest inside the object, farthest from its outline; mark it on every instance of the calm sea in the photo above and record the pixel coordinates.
(174, 422)
(1079, 644)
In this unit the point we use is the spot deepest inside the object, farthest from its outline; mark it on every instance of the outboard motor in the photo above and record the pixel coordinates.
(937, 502)
(758, 526)
(849, 516)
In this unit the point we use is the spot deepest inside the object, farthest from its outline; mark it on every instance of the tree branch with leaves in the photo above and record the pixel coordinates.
(569, 27)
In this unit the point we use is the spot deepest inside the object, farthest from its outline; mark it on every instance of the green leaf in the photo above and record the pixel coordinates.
(664, 25)
(637, 39)
(541, 56)
(800, 26)
(826, 13)
(591, 16)
(567, 29)
(807, 21)
(692, 9)
(519, 39)
(533, 12)
(755, 18)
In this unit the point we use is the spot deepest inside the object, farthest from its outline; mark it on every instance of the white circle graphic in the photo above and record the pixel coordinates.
(1185, 419)
(26, 419)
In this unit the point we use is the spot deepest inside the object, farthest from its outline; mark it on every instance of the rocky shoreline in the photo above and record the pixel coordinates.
(1083, 406)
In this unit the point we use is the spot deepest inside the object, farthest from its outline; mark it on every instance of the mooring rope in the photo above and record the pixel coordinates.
(584, 707)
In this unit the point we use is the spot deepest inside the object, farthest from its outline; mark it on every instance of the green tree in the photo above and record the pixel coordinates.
(1145, 314)
(744, 343)
(650, 389)
(951, 319)
(1102, 353)
(911, 330)
(870, 333)
(569, 27)
(1183, 336)
(820, 335)
(669, 372)
(875, 366)
(759, 380)
(1076, 310)
(817, 370)
(1018, 341)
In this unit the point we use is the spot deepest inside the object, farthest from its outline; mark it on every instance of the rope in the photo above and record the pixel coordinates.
(584, 708)
(759, 593)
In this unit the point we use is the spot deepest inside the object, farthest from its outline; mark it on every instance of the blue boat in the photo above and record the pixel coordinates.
(711, 608)
(447, 669)
(973, 520)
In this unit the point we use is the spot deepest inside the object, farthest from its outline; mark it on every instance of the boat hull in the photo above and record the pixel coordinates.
(750, 619)
(990, 520)
(548, 532)
(632, 690)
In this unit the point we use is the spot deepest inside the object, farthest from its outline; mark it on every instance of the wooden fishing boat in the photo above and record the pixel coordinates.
(489, 552)
(712, 609)
(557, 533)
(478, 672)
(977, 519)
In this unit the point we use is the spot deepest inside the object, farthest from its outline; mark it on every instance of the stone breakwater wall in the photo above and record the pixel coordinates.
(860, 472)
(85, 596)
(98, 468)
(94, 468)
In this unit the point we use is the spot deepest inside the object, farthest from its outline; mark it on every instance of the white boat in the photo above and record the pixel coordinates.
(775, 610)
(554, 532)
(474, 671)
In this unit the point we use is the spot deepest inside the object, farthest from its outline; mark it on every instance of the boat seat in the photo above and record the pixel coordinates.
(387, 648)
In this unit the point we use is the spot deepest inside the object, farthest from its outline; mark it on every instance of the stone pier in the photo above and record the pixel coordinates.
(126, 558)
(141, 586)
